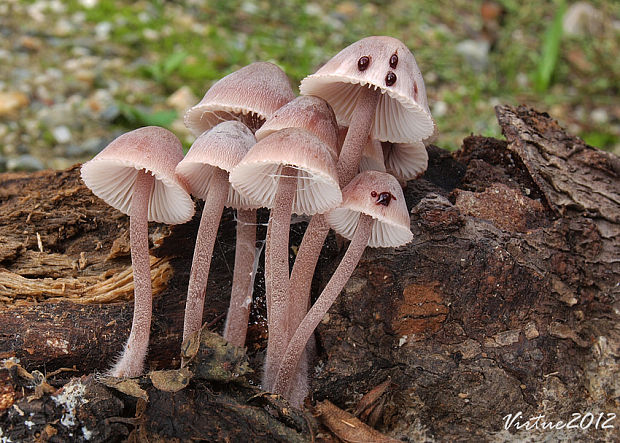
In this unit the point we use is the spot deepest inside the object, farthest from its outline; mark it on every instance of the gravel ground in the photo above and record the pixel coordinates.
(69, 84)
(61, 82)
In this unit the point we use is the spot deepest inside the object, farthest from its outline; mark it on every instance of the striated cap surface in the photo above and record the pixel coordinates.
(112, 173)
(306, 112)
(407, 161)
(223, 147)
(257, 175)
(252, 94)
(383, 63)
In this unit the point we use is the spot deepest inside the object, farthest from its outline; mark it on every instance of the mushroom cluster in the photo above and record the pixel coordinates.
(338, 153)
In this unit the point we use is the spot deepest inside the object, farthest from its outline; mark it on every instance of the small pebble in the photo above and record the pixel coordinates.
(11, 102)
(440, 108)
(62, 134)
(475, 53)
(582, 18)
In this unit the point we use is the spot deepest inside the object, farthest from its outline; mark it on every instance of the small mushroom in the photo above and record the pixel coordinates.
(135, 174)
(406, 161)
(205, 168)
(373, 213)
(307, 112)
(290, 170)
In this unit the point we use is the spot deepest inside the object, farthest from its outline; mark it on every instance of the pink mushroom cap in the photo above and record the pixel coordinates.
(223, 147)
(380, 196)
(256, 90)
(383, 63)
(307, 112)
(111, 174)
(258, 174)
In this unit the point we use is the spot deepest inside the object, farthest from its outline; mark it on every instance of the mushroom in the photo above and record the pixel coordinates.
(372, 157)
(250, 94)
(306, 112)
(205, 168)
(373, 213)
(376, 89)
(290, 170)
(316, 116)
(135, 174)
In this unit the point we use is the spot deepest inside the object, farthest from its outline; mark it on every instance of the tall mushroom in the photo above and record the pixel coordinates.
(205, 168)
(290, 170)
(376, 89)
(250, 95)
(135, 174)
(373, 213)
(314, 115)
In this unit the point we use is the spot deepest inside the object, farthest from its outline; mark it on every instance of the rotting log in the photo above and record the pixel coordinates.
(505, 302)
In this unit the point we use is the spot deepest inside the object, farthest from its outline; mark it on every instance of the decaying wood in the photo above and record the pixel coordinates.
(209, 400)
(61, 246)
(506, 301)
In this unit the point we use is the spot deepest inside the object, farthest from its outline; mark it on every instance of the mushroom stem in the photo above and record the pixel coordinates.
(303, 269)
(236, 325)
(277, 267)
(289, 363)
(316, 232)
(348, 163)
(131, 362)
(203, 251)
(357, 135)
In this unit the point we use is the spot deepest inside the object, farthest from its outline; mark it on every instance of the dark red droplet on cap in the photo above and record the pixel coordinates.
(363, 62)
(390, 78)
(393, 61)
(373, 194)
(384, 198)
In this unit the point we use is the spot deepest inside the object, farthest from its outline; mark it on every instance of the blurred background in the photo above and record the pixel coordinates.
(76, 74)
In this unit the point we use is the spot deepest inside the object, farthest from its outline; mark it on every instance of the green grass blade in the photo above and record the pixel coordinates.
(138, 117)
(550, 51)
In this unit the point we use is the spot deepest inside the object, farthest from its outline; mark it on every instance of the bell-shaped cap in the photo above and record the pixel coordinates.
(223, 147)
(306, 112)
(406, 161)
(258, 174)
(253, 92)
(112, 173)
(380, 196)
(383, 63)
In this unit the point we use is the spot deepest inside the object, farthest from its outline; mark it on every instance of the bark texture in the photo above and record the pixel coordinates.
(506, 301)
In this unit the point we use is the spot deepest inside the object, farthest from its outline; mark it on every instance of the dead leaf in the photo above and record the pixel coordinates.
(348, 428)
(369, 401)
(172, 380)
(127, 386)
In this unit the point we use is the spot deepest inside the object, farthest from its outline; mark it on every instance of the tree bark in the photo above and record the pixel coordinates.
(506, 301)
